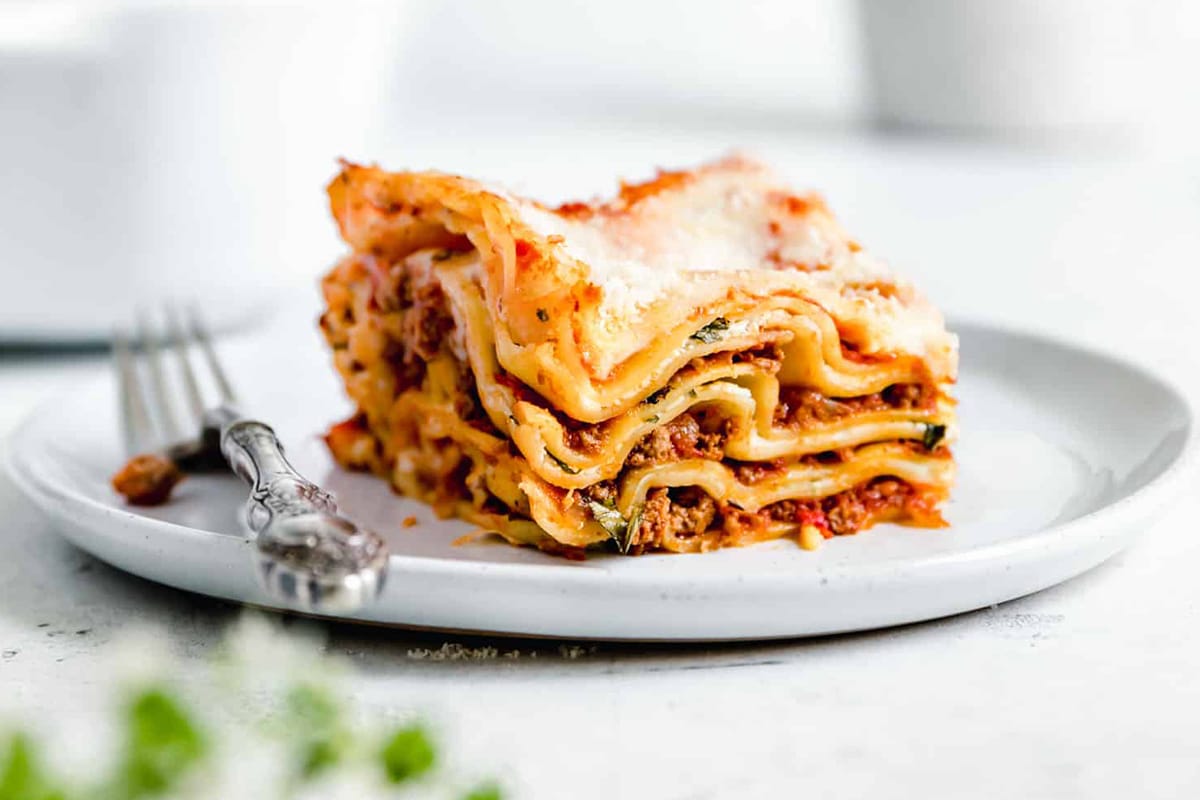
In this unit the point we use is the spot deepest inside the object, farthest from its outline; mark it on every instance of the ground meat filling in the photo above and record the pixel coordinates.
(683, 513)
(674, 514)
(701, 433)
(588, 439)
(427, 321)
(751, 472)
(693, 434)
(768, 357)
(426, 325)
(847, 512)
(406, 303)
(698, 433)
(604, 493)
(803, 408)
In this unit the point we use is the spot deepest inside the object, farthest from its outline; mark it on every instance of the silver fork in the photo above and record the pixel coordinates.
(308, 555)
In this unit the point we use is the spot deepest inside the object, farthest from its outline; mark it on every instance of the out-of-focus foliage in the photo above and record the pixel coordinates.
(165, 747)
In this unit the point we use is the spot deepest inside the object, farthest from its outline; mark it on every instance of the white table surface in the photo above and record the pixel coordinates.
(1089, 689)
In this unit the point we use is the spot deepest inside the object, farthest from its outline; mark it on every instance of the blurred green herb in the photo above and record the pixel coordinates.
(487, 791)
(164, 751)
(162, 744)
(312, 707)
(21, 775)
(408, 754)
(316, 716)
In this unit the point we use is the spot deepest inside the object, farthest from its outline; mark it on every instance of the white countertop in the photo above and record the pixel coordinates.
(1089, 689)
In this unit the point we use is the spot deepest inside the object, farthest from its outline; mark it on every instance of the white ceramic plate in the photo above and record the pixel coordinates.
(1065, 455)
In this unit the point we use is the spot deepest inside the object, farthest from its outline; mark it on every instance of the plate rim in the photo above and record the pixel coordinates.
(1051, 538)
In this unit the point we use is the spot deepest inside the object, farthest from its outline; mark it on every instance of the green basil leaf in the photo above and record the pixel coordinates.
(933, 435)
(564, 466)
(712, 331)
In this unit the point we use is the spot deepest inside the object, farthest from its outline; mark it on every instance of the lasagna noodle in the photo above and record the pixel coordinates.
(510, 424)
(746, 395)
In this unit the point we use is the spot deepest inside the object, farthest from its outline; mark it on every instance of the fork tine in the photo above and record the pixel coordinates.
(200, 333)
(160, 396)
(175, 342)
(135, 420)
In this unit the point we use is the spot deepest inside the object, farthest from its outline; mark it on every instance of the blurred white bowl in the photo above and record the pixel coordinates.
(1010, 66)
(155, 151)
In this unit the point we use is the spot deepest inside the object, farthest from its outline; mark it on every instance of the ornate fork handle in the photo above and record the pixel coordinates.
(309, 555)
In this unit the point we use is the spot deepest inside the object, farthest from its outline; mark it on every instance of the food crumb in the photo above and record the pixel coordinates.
(408, 522)
(453, 651)
(574, 651)
(147, 480)
(470, 538)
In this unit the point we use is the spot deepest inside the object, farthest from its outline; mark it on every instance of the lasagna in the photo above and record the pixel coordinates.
(707, 360)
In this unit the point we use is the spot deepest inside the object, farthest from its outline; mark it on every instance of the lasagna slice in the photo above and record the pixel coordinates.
(705, 361)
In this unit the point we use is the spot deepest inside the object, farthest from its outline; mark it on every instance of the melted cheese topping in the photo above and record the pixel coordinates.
(668, 254)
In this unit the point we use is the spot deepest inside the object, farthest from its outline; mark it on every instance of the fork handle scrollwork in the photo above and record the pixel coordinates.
(309, 554)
